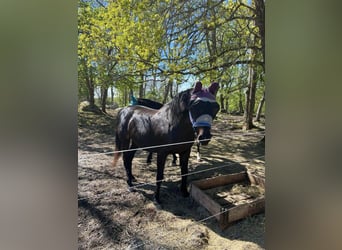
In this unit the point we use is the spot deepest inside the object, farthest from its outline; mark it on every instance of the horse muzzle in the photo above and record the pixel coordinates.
(203, 135)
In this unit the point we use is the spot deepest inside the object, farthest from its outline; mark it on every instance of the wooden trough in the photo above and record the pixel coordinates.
(215, 194)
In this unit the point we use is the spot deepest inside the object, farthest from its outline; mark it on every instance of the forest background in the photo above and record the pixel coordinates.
(154, 49)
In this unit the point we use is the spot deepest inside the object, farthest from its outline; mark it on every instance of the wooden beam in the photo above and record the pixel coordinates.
(220, 180)
(245, 210)
(256, 180)
(203, 199)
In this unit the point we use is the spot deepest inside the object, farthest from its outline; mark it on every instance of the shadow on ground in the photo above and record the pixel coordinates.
(112, 217)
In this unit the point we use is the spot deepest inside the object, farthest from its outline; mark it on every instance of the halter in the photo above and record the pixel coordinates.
(205, 95)
(202, 121)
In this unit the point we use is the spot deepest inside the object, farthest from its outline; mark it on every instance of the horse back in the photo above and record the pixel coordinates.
(144, 127)
(134, 122)
(149, 103)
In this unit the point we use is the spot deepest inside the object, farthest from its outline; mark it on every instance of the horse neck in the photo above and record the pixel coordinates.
(180, 118)
(176, 115)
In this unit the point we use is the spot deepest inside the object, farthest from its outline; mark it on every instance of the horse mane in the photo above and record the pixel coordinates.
(179, 104)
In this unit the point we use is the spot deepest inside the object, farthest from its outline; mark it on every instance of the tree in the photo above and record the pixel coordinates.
(151, 47)
(261, 104)
(250, 98)
(86, 71)
(256, 35)
(119, 40)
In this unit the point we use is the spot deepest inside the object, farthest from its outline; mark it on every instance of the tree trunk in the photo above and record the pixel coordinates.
(90, 85)
(141, 87)
(125, 96)
(222, 104)
(227, 90)
(261, 104)
(171, 89)
(167, 90)
(250, 101)
(246, 102)
(260, 23)
(241, 110)
(154, 83)
(104, 95)
(112, 94)
(141, 90)
(91, 91)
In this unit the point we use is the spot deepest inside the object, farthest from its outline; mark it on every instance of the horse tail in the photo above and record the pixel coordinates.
(117, 148)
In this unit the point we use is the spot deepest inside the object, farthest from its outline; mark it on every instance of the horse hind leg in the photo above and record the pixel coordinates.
(127, 158)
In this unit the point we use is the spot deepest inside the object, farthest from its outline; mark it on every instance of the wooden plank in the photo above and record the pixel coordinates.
(224, 218)
(220, 180)
(228, 215)
(244, 210)
(256, 180)
(204, 200)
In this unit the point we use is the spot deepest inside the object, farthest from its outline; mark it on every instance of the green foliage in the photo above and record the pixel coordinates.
(167, 40)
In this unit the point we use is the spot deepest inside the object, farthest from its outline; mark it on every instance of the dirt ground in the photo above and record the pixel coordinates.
(112, 217)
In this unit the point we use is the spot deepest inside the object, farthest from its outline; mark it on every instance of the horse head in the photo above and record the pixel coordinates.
(202, 110)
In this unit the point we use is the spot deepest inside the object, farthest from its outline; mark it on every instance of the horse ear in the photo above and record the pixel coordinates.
(198, 87)
(214, 88)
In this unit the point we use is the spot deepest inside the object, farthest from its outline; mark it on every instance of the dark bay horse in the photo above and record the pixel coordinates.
(188, 114)
(154, 105)
(157, 105)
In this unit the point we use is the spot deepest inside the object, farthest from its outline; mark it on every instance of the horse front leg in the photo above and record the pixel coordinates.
(184, 159)
(161, 158)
